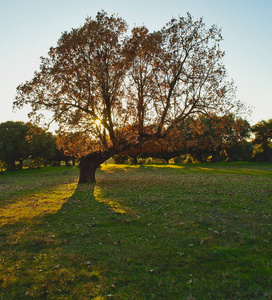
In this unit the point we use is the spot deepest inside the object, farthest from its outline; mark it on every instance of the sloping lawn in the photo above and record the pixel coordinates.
(199, 231)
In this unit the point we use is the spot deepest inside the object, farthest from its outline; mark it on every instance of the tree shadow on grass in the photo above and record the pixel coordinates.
(125, 238)
(86, 249)
(51, 255)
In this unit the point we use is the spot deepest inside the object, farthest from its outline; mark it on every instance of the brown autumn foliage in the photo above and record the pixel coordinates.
(74, 144)
(112, 87)
(212, 134)
(201, 137)
(168, 147)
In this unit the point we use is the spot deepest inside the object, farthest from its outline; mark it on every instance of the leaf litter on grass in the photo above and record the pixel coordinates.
(183, 234)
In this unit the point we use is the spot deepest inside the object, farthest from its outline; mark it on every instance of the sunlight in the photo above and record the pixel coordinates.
(97, 122)
(36, 205)
(110, 168)
(165, 166)
(114, 205)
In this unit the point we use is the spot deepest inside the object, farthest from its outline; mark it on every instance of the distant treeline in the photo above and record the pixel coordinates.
(202, 139)
(26, 145)
(208, 139)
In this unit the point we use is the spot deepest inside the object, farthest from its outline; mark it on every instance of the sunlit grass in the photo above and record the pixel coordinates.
(142, 232)
(36, 205)
(111, 168)
(98, 196)
(166, 166)
(236, 171)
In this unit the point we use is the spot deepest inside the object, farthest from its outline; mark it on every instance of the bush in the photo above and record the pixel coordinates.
(149, 160)
(141, 161)
(189, 159)
(261, 153)
(120, 159)
(3, 166)
(178, 160)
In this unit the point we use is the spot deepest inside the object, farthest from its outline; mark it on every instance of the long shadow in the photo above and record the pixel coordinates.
(49, 256)
(93, 246)
(59, 253)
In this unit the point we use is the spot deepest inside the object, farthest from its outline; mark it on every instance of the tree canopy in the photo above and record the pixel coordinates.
(216, 136)
(121, 90)
(19, 141)
(13, 145)
(263, 140)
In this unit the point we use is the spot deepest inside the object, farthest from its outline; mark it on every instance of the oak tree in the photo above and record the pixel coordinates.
(263, 140)
(20, 141)
(121, 90)
(41, 144)
(13, 143)
(170, 146)
(212, 135)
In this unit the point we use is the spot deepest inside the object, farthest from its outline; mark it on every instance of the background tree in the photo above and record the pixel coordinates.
(222, 137)
(59, 156)
(13, 143)
(235, 138)
(172, 145)
(133, 153)
(20, 141)
(263, 140)
(111, 87)
(41, 144)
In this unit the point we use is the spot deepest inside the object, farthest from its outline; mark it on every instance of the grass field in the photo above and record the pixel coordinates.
(199, 231)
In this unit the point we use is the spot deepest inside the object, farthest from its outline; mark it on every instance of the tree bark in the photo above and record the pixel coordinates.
(135, 160)
(11, 166)
(21, 164)
(89, 164)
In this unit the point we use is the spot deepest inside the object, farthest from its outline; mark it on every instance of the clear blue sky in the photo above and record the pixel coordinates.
(28, 28)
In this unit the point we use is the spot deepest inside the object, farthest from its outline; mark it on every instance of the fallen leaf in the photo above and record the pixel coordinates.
(55, 267)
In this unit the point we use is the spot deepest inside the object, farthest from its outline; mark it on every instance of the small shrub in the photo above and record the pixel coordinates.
(130, 161)
(2, 166)
(149, 160)
(189, 159)
(156, 160)
(141, 161)
(120, 159)
(177, 160)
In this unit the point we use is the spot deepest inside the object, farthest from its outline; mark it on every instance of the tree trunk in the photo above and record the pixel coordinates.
(135, 160)
(89, 164)
(21, 164)
(11, 166)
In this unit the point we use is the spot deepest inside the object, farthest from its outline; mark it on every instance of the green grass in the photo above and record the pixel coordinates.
(199, 231)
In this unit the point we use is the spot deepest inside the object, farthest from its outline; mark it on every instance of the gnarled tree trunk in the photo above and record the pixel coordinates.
(89, 164)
